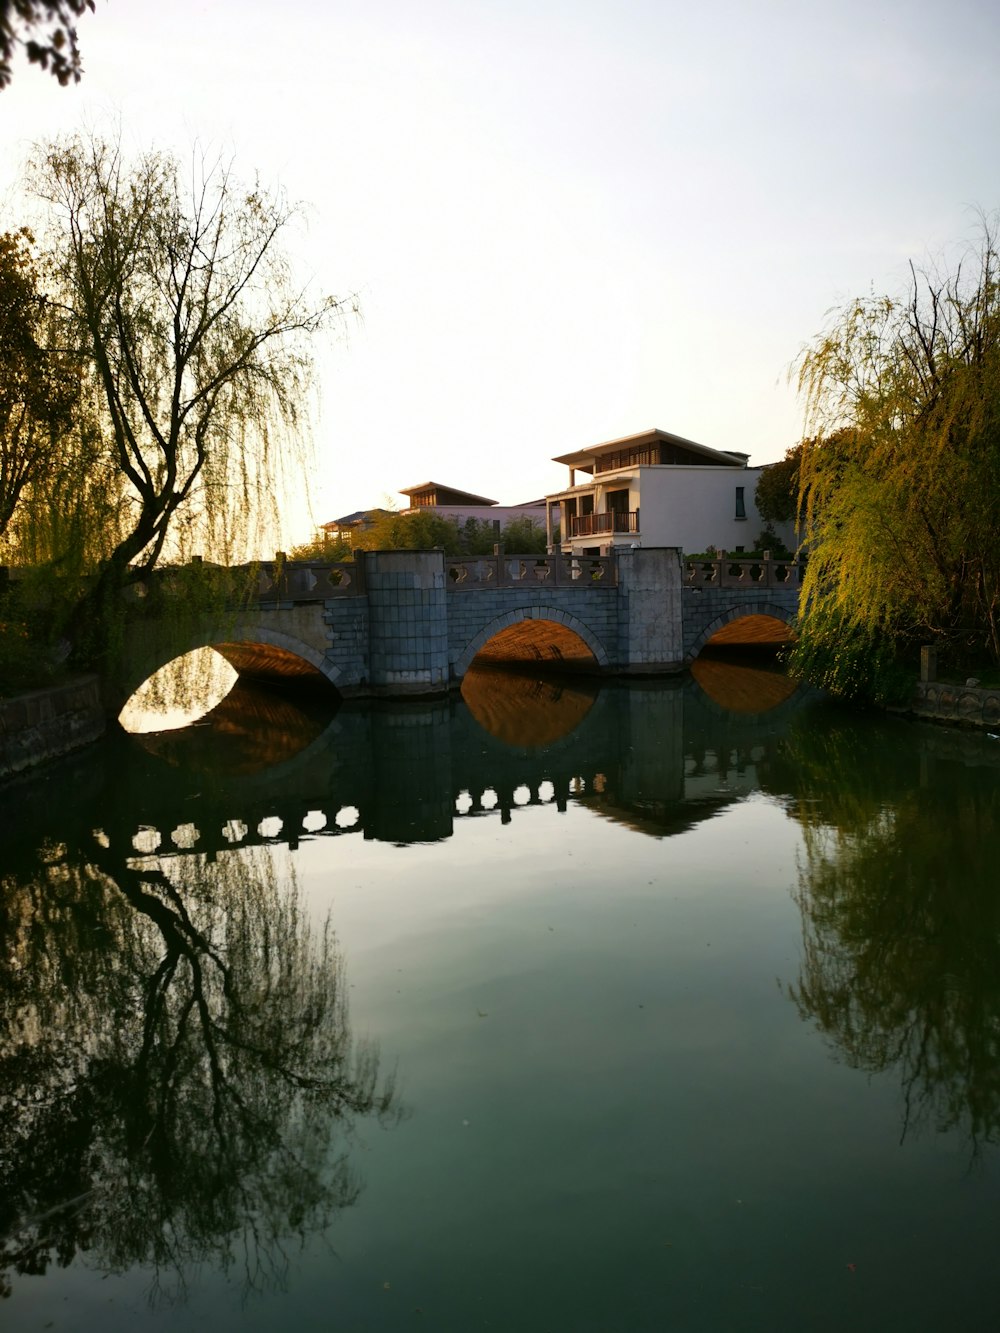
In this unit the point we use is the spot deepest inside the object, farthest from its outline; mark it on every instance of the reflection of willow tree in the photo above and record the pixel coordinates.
(901, 920)
(175, 1059)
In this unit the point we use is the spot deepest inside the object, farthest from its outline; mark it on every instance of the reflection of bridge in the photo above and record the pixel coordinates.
(411, 622)
(651, 755)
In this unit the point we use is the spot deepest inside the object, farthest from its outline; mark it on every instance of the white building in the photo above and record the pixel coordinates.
(655, 489)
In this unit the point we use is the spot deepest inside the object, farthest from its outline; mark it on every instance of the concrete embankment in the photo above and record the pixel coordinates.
(47, 723)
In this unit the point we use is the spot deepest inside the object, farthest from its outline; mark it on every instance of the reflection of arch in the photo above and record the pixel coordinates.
(738, 687)
(740, 611)
(561, 621)
(524, 711)
(253, 729)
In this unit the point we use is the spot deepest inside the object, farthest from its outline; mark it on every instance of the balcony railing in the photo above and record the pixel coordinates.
(628, 458)
(612, 520)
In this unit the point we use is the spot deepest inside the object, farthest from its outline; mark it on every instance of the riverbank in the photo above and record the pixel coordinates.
(45, 724)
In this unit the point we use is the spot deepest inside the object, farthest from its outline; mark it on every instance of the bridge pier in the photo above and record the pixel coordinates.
(407, 622)
(650, 637)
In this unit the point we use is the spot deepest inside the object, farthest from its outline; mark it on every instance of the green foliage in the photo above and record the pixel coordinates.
(39, 386)
(768, 540)
(181, 305)
(414, 532)
(901, 481)
(24, 663)
(423, 531)
(849, 660)
(322, 547)
(777, 493)
(524, 536)
(31, 654)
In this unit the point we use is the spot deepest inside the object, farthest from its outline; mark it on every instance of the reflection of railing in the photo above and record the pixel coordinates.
(729, 572)
(511, 571)
(291, 823)
(612, 520)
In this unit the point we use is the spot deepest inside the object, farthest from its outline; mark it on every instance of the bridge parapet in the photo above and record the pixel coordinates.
(296, 581)
(262, 582)
(511, 571)
(734, 572)
(309, 580)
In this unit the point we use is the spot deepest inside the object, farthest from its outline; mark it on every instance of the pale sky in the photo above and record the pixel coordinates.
(565, 221)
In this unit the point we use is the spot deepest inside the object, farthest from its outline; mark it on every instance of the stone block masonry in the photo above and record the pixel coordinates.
(48, 723)
(407, 622)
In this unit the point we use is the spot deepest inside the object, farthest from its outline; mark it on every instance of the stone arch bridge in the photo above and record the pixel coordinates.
(399, 623)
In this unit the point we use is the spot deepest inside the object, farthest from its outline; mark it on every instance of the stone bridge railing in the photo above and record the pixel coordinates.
(264, 581)
(550, 571)
(735, 572)
(300, 581)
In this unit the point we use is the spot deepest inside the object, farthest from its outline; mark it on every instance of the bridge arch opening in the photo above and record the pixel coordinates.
(513, 676)
(179, 693)
(752, 631)
(735, 662)
(196, 685)
(538, 642)
(538, 637)
(748, 626)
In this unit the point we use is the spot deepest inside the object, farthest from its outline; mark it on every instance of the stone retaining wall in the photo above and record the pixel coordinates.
(941, 702)
(47, 723)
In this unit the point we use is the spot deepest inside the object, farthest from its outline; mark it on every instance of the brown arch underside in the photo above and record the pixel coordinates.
(752, 629)
(541, 641)
(267, 662)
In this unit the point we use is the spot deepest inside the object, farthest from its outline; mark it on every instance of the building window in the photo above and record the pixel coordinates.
(741, 507)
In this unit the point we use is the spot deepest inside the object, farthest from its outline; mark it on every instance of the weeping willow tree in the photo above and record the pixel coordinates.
(39, 387)
(171, 290)
(901, 482)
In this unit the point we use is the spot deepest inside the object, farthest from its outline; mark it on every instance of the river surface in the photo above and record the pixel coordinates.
(660, 1007)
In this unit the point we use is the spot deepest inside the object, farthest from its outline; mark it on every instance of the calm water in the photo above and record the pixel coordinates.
(657, 1008)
